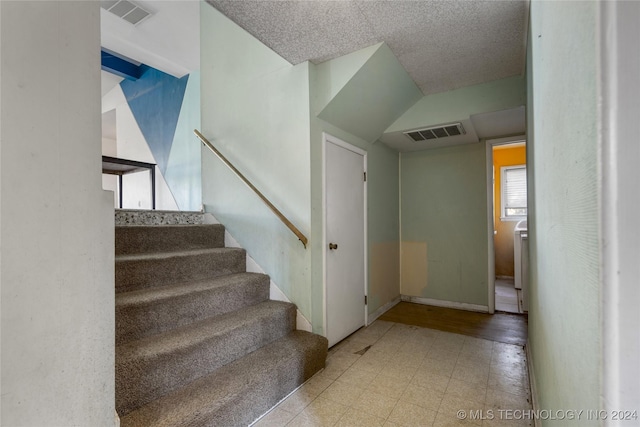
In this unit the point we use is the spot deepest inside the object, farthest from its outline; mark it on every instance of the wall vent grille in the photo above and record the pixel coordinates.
(436, 132)
(129, 11)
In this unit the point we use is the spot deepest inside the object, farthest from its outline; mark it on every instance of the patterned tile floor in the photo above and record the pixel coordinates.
(391, 374)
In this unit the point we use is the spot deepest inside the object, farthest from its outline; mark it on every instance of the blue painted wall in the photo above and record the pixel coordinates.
(155, 100)
(167, 109)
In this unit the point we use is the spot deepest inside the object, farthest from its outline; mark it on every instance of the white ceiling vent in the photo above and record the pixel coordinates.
(126, 10)
(436, 132)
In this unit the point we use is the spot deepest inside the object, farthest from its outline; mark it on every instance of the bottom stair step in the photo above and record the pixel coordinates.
(238, 393)
(157, 365)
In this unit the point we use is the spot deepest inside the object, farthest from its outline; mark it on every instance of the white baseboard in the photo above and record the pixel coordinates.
(532, 384)
(505, 277)
(379, 312)
(447, 304)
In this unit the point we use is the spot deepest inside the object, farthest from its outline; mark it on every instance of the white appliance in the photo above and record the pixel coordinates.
(521, 228)
(525, 270)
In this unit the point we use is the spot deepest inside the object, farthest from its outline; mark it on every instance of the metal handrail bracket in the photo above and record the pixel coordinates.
(275, 210)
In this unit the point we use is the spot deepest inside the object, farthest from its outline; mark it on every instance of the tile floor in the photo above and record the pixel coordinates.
(507, 296)
(410, 376)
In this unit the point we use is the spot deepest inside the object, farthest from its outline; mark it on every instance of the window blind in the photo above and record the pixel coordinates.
(515, 191)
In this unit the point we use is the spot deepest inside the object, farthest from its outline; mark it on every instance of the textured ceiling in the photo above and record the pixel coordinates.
(443, 45)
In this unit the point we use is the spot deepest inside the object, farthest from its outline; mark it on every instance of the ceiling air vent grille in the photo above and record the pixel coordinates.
(126, 10)
(437, 132)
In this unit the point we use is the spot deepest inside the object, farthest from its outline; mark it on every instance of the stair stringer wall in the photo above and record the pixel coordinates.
(255, 111)
(275, 293)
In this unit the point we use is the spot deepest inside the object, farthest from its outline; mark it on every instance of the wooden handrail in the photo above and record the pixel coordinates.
(275, 210)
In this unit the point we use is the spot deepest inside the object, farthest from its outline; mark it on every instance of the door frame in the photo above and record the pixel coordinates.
(326, 139)
(491, 279)
(619, 65)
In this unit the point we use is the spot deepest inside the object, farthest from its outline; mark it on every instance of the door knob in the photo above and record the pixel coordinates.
(333, 246)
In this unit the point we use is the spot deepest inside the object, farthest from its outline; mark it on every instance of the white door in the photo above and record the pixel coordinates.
(345, 239)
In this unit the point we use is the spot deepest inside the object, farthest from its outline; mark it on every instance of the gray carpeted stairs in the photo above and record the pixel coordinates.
(198, 342)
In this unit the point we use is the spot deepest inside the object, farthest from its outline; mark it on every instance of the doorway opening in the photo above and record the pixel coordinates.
(508, 239)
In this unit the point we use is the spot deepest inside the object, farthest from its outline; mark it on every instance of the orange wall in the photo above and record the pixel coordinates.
(503, 240)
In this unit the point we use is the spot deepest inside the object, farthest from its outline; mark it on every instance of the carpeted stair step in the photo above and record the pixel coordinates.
(142, 271)
(134, 239)
(149, 368)
(238, 393)
(155, 310)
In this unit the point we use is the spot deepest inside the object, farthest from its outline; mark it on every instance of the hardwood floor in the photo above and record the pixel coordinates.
(501, 327)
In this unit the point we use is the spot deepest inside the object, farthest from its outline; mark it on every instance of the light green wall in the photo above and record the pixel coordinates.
(383, 217)
(353, 92)
(255, 109)
(461, 103)
(268, 117)
(565, 318)
(332, 76)
(260, 111)
(444, 202)
(383, 225)
(444, 224)
(378, 93)
(317, 250)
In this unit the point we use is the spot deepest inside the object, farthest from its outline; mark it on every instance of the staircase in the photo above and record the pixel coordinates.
(198, 342)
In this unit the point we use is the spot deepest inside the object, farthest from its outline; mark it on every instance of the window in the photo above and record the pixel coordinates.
(513, 192)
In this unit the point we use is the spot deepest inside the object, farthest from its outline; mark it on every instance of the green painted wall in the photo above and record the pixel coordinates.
(326, 80)
(317, 250)
(565, 316)
(261, 112)
(383, 219)
(444, 224)
(268, 117)
(378, 93)
(332, 76)
(255, 109)
(461, 103)
(383, 183)
(338, 86)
